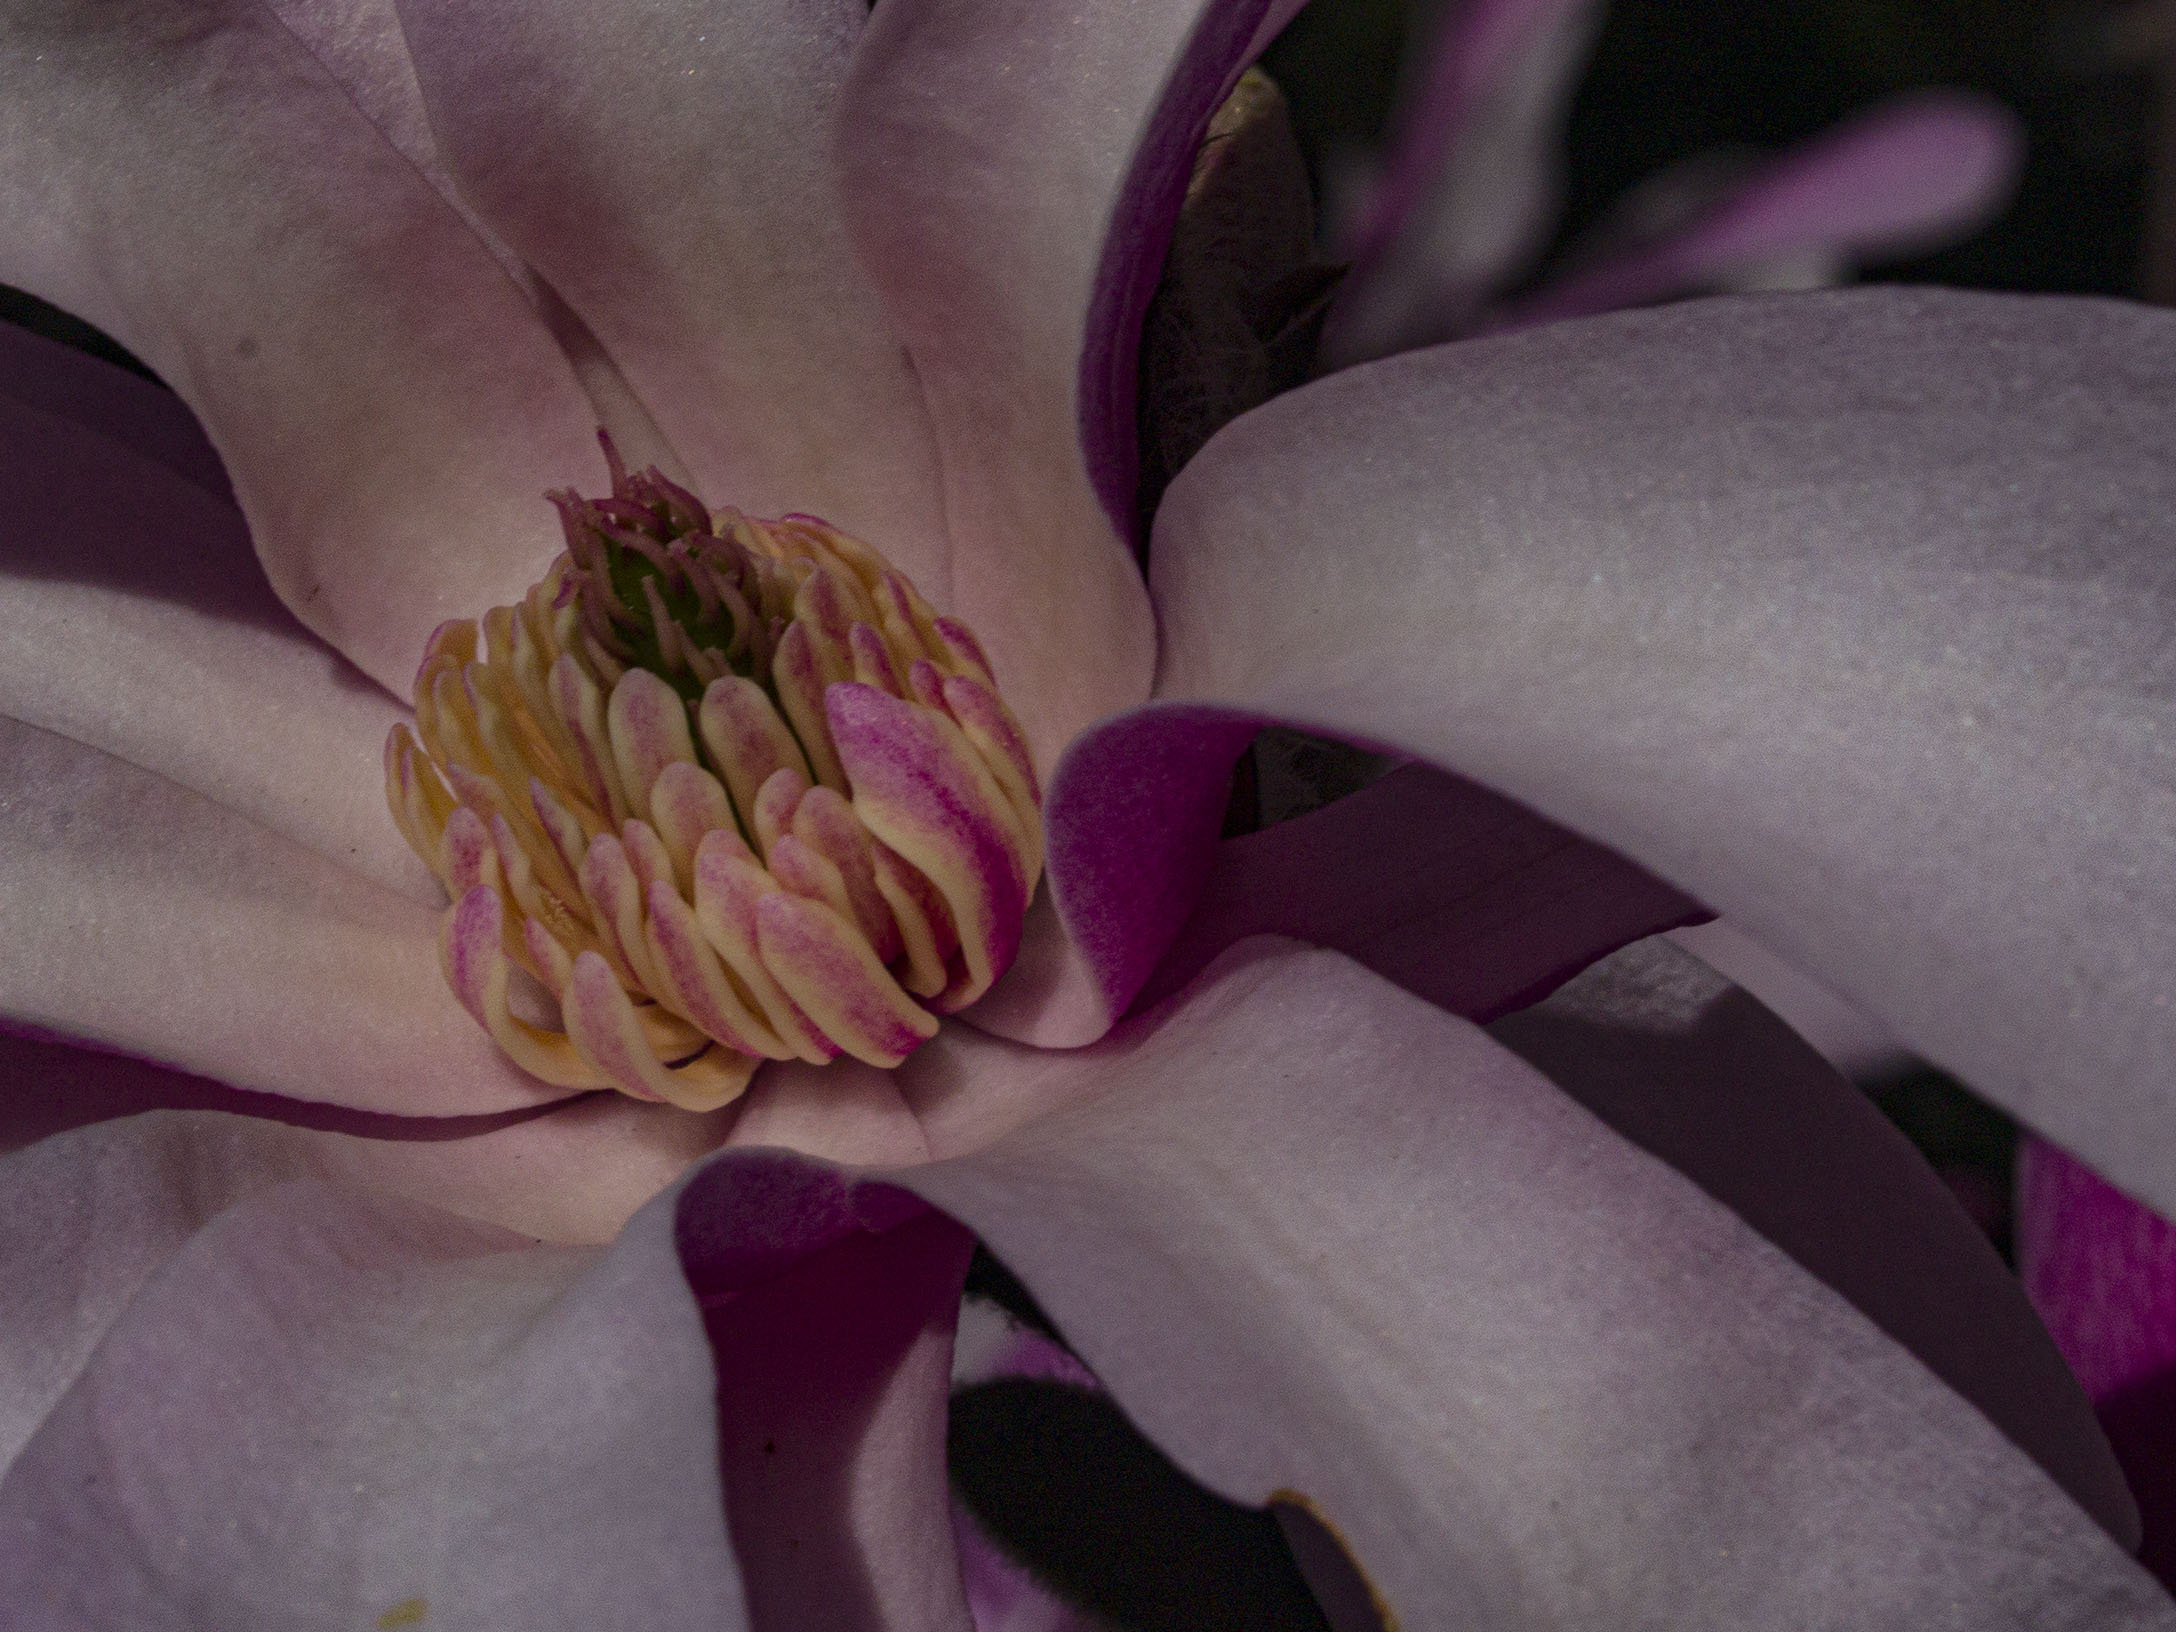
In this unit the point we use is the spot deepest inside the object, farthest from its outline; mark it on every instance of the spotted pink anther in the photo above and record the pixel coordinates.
(718, 790)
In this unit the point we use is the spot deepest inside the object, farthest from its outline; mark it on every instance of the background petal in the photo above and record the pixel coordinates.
(2102, 1272)
(146, 918)
(1848, 1038)
(194, 182)
(1471, 179)
(1317, 1235)
(325, 1412)
(1902, 178)
(1847, 613)
(667, 168)
(72, 385)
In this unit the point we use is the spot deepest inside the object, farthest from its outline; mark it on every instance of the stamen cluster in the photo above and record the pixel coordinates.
(727, 789)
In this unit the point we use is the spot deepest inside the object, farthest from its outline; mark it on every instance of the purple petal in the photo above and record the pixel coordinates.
(1132, 820)
(1224, 40)
(1435, 883)
(2102, 1272)
(2100, 1268)
(1318, 1236)
(830, 1310)
(329, 1408)
(1846, 613)
(386, 402)
(1907, 177)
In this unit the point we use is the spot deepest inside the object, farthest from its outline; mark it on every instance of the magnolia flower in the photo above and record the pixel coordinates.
(1843, 614)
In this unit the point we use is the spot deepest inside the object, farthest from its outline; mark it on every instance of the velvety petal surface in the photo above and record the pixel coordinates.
(1011, 177)
(1846, 613)
(2100, 1269)
(1318, 1236)
(147, 918)
(136, 620)
(324, 1410)
(192, 180)
(1470, 181)
(572, 1172)
(667, 168)
(1897, 180)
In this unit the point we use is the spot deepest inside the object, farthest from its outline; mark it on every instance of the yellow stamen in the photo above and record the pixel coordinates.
(636, 788)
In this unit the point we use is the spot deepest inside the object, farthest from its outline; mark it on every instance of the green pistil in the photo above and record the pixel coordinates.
(629, 572)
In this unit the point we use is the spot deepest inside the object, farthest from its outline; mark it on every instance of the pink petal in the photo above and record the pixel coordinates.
(361, 44)
(571, 1172)
(1011, 176)
(324, 1410)
(1471, 179)
(388, 406)
(145, 918)
(1906, 177)
(137, 621)
(1846, 613)
(1318, 1236)
(95, 1213)
(830, 1310)
(843, 1112)
(666, 168)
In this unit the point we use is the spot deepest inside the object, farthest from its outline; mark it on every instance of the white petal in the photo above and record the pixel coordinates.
(1316, 1235)
(1850, 614)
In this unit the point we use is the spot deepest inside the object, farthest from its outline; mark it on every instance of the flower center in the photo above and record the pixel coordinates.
(729, 790)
